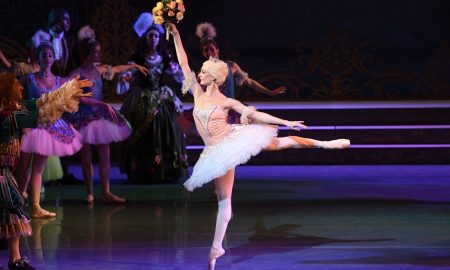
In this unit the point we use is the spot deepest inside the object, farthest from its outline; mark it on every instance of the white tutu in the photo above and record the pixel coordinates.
(40, 141)
(102, 131)
(238, 147)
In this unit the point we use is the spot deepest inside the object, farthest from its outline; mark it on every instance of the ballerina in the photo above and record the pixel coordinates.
(228, 145)
(98, 122)
(55, 139)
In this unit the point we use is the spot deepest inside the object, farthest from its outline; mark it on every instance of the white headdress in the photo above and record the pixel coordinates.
(40, 37)
(86, 33)
(218, 69)
(206, 30)
(143, 23)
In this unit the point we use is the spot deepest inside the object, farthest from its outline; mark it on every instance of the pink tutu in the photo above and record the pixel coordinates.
(243, 142)
(40, 141)
(102, 131)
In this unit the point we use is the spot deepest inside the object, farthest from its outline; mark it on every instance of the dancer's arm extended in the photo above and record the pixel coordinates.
(253, 84)
(262, 117)
(183, 61)
(109, 71)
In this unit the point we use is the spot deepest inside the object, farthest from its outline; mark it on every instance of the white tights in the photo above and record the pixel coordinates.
(281, 143)
(224, 185)
(224, 188)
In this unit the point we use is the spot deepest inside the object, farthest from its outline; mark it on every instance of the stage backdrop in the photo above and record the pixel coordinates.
(319, 49)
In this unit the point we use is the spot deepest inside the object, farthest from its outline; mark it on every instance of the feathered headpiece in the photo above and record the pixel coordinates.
(39, 37)
(206, 30)
(86, 33)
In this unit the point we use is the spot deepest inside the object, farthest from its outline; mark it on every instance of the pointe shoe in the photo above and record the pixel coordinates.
(90, 198)
(335, 144)
(111, 198)
(214, 254)
(38, 212)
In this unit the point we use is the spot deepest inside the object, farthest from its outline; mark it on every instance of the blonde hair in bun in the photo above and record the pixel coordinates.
(218, 69)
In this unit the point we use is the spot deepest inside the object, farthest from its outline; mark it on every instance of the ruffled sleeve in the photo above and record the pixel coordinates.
(175, 71)
(188, 83)
(123, 85)
(53, 104)
(245, 112)
(22, 69)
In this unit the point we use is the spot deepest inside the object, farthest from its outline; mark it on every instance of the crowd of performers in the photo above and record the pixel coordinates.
(63, 71)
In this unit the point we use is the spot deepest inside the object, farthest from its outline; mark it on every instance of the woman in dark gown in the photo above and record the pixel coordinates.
(156, 150)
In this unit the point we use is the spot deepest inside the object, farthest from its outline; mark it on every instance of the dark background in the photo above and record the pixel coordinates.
(319, 49)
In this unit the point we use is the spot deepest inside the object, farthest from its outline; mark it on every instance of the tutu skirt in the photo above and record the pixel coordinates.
(53, 169)
(238, 147)
(58, 139)
(102, 131)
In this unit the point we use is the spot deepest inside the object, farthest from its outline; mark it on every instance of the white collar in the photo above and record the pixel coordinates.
(56, 35)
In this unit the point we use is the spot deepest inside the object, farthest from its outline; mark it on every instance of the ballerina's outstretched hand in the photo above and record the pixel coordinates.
(296, 125)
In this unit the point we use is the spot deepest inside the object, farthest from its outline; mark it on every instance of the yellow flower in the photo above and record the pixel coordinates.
(159, 13)
(158, 20)
(154, 10)
(172, 5)
(180, 16)
(171, 14)
(159, 5)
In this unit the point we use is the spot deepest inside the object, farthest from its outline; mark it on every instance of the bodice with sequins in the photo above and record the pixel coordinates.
(211, 123)
(60, 129)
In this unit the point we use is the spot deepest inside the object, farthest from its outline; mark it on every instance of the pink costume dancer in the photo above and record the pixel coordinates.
(55, 139)
(97, 125)
(229, 145)
(58, 138)
(97, 121)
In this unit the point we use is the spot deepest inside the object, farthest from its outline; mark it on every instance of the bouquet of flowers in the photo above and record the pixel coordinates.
(168, 11)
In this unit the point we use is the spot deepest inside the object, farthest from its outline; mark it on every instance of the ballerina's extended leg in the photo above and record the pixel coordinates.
(300, 142)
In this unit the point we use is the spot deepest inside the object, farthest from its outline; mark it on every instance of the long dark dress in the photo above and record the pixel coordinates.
(14, 221)
(151, 107)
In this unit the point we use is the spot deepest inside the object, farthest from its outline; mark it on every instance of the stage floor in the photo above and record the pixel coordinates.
(285, 217)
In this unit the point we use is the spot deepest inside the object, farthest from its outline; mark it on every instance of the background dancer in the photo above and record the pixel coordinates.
(98, 122)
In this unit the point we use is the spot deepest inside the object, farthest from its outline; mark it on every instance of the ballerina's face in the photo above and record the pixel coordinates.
(204, 77)
(46, 58)
(95, 56)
